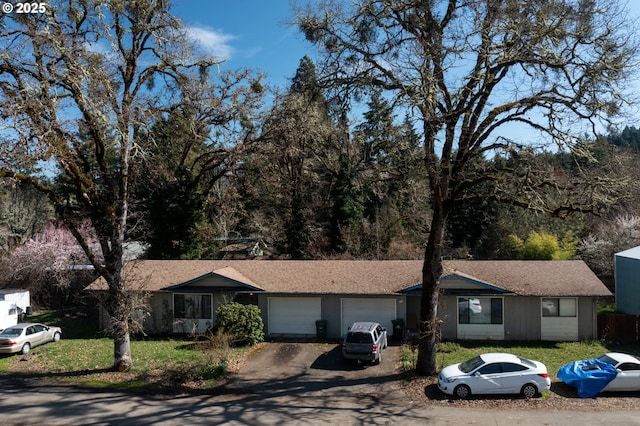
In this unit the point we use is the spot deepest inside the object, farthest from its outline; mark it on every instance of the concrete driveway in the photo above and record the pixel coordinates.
(316, 371)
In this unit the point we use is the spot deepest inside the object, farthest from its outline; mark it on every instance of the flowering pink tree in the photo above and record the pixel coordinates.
(49, 261)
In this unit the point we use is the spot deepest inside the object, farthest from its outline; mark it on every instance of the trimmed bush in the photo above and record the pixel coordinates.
(241, 322)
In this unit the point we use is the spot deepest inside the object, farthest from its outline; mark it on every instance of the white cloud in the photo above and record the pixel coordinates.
(214, 42)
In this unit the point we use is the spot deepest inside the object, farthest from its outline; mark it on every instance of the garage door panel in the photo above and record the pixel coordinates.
(381, 310)
(294, 315)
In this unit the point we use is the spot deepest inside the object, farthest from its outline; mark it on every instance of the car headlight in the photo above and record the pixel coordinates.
(450, 379)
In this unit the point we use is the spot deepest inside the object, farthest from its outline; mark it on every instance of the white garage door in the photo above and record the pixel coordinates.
(294, 315)
(377, 310)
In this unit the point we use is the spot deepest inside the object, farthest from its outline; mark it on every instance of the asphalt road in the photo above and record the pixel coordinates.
(285, 383)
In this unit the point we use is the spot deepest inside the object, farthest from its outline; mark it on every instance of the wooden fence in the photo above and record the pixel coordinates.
(619, 328)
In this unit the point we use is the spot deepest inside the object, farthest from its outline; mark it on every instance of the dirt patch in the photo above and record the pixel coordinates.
(561, 397)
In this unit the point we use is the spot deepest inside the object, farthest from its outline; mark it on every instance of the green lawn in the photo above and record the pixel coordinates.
(84, 355)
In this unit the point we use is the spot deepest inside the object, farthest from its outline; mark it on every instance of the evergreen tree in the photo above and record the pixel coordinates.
(283, 182)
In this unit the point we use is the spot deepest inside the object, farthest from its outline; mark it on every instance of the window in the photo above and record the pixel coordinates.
(629, 366)
(470, 364)
(359, 337)
(192, 306)
(509, 367)
(491, 369)
(480, 310)
(559, 307)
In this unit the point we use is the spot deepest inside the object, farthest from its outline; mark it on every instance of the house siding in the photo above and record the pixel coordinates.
(522, 317)
(412, 307)
(161, 320)
(588, 314)
(331, 313)
(448, 314)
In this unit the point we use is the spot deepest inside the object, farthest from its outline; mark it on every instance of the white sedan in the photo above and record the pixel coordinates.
(495, 373)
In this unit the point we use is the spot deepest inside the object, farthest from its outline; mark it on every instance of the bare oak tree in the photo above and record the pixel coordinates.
(79, 84)
(467, 68)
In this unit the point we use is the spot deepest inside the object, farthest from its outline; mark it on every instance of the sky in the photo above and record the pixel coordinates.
(247, 34)
(254, 34)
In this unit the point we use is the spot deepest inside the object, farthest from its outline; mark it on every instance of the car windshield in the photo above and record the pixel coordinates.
(527, 362)
(355, 337)
(608, 360)
(471, 364)
(11, 332)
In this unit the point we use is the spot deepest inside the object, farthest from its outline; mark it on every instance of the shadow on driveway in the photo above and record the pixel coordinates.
(315, 369)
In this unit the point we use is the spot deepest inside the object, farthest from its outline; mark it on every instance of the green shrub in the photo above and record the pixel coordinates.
(213, 372)
(241, 322)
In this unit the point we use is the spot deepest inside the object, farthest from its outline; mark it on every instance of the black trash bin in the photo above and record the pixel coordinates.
(321, 329)
(398, 329)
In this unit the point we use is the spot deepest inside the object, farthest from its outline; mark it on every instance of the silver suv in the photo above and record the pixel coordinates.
(364, 342)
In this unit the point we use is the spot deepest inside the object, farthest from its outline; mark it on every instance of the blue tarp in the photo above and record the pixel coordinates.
(589, 376)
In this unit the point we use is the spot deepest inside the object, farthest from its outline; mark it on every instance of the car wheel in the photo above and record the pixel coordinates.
(56, 337)
(529, 390)
(379, 359)
(462, 391)
(25, 348)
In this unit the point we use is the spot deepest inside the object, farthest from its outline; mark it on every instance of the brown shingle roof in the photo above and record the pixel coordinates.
(533, 277)
(542, 278)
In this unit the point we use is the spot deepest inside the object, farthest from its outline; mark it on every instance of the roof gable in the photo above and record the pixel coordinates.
(533, 277)
(223, 279)
(462, 281)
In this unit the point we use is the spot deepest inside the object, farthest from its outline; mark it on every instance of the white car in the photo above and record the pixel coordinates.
(495, 373)
(469, 305)
(628, 377)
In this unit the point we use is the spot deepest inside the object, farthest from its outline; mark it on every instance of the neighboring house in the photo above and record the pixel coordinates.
(501, 300)
(243, 248)
(627, 277)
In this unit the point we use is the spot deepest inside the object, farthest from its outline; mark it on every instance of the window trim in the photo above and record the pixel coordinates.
(201, 308)
(493, 320)
(559, 307)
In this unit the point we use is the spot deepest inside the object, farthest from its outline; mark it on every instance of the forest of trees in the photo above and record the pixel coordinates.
(317, 186)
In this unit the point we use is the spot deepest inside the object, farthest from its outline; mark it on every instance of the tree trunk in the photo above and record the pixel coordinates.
(119, 312)
(121, 344)
(431, 273)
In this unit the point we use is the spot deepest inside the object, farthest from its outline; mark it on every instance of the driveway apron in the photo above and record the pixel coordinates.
(317, 371)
